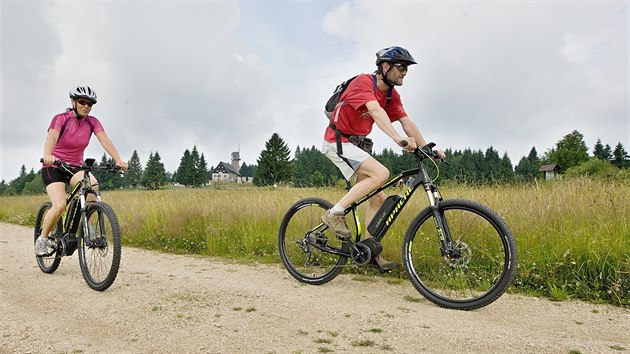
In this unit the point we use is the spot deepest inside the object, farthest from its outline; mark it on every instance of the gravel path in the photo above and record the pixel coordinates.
(163, 303)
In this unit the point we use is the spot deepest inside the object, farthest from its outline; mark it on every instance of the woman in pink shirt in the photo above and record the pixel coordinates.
(68, 136)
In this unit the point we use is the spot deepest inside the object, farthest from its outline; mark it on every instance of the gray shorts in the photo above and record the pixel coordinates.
(349, 161)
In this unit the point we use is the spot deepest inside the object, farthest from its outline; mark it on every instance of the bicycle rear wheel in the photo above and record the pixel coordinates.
(50, 263)
(100, 250)
(483, 262)
(303, 241)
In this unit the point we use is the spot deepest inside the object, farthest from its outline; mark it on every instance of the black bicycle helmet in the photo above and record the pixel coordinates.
(394, 55)
(83, 92)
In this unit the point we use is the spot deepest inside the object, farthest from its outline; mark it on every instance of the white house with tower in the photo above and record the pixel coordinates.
(229, 172)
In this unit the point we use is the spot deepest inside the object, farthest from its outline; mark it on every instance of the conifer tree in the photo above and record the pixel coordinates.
(186, 170)
(274, 164)
(154, 175)
(602, 152)
(134, 172)
(620, 157)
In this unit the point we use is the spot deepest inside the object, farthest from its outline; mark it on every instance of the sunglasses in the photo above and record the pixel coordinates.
(401, 67)
(85, 103)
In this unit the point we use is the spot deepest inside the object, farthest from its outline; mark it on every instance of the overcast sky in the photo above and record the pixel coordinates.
(225, 76)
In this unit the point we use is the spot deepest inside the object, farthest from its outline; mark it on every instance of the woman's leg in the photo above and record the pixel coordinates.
(78, 177)
(57, 194)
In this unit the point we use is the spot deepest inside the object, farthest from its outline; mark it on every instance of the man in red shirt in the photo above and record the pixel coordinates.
(368, 99)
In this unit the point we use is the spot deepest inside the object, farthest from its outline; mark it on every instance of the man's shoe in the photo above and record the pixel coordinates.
(382, 264)
(336, 223)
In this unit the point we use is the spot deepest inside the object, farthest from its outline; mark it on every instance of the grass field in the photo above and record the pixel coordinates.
(573, 236)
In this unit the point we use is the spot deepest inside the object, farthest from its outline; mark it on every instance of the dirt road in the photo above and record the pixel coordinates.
(184, 304)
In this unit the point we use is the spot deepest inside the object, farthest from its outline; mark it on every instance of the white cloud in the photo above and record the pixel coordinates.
(224, 75)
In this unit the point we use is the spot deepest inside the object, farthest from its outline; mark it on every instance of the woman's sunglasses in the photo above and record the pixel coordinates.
(85, 103)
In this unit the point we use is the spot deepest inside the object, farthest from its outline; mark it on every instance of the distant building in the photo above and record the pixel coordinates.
(549, 171)
(226, 172)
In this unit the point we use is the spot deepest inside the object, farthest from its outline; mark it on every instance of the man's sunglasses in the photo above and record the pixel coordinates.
(401, 67)
(85, 103)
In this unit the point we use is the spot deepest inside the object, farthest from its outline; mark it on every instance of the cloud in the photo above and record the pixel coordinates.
(507, 75)
(226, 75)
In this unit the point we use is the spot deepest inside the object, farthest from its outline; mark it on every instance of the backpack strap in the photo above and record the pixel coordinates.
(389, 91)
(338, 133)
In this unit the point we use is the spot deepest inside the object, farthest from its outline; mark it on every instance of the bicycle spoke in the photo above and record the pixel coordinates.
(100, 252)
(473, 271)
(306, 247)
(49, 263)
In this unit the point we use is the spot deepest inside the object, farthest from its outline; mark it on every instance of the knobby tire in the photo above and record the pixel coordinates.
(300, 257)
(485, 267)
(100, 250)
(50, 263)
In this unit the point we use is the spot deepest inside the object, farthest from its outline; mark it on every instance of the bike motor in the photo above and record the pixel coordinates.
(67, 245)
(365, 250)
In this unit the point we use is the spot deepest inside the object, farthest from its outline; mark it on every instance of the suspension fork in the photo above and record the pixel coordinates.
(441, 225)
(83, 201)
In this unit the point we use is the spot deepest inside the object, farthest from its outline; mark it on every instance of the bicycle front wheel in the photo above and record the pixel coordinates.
(51, 263)
(480, 265)
(307, 247)
(100, 249)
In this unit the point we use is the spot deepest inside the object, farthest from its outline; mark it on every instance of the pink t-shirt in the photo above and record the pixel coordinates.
(75, 138)
(353, 117)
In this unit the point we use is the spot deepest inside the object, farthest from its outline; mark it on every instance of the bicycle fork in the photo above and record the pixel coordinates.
(87, 233)
(441, 225)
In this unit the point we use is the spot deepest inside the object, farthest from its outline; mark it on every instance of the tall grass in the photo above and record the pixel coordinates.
(573, 236)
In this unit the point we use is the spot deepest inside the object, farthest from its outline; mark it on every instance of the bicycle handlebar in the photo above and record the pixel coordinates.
(425, 151)
(85, 167)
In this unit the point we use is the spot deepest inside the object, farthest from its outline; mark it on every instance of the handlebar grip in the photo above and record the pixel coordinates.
(404, 143)
(54, 163)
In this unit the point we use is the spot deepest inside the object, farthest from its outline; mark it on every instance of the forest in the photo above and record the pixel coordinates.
(308, 167)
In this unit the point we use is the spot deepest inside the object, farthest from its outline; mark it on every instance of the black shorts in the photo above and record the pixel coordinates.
(56, 174)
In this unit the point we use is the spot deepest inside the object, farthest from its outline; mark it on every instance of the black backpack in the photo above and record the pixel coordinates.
(333, 101)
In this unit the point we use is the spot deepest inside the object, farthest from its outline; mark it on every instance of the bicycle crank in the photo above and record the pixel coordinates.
(361, 254)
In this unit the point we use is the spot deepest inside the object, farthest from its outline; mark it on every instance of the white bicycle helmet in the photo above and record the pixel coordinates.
(83, 92)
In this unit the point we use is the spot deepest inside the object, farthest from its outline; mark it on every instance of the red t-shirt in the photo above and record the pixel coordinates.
(353, 117)
(76, 136)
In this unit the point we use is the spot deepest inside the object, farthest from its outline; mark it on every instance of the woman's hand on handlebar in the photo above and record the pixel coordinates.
(49, 159)
(123, 166)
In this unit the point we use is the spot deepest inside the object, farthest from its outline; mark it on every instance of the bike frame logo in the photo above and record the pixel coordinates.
(402, 202)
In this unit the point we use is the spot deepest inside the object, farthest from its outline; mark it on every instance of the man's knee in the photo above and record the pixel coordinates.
(375, 170)
(383, 175)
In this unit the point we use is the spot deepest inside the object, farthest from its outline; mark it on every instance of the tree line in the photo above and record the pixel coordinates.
(308, 167)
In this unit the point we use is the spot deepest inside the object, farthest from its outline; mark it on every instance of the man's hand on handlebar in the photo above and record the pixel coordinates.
(440, 154)
(408, 143)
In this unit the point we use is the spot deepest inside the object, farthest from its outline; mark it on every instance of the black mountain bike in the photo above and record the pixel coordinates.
(90, 226)
(457, 253)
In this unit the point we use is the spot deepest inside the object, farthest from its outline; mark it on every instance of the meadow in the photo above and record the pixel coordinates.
(573, 235)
